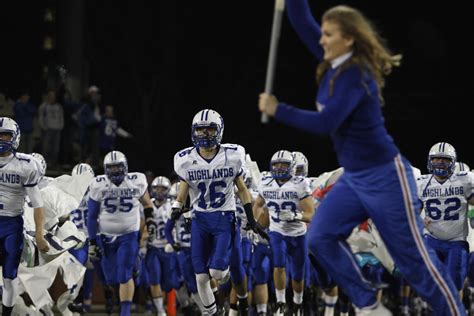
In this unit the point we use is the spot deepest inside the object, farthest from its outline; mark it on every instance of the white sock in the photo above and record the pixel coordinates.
(330, 302)
(158, 301)
(198, 302)
(205, 293)
(261, 308)
(344, 314)
(10, 291)
(233, 312)
(182, 296)
(242, 296)
(298, 297)
(280, 295)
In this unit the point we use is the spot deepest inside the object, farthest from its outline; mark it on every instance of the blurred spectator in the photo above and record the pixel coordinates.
(6, 105)
(109, 129)
(25, 112)
(51, 121)
(150, 175)
(70, 133)
(89, 121)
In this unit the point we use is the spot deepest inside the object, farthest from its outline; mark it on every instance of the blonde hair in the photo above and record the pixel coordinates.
(369, 49)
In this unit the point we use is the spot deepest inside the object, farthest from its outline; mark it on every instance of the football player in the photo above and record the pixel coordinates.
(290, 205)
(208, 172)
(114, 212)
(19, 177)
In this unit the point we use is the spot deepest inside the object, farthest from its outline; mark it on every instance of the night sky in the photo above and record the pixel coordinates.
(161, 62)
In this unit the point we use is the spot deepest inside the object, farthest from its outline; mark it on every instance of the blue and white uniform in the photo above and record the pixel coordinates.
(446, 205)
(211, 189)
(19, 176)
(161, 266)
(118, 222)
(287, 238)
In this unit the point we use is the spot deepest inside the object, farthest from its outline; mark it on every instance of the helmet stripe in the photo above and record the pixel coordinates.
(202, 115)
(207, 114)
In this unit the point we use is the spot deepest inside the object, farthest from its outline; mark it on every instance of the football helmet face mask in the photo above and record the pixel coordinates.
(115, 166)
(301, 164)
(41, 163)
(445, 156)
(160, 188)
(9, 126)
(282, 164)
(82, 168)
(207, 129)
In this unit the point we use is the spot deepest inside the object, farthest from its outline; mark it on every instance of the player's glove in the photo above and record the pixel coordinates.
(176, 247)
(252, 224)
(187, 221)
(289, 216)
(94, 251)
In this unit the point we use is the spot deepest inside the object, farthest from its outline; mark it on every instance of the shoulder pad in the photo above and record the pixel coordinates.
(231, 146)
(101, 178)
(24, 157)
(266, 180)
(424, 176)
(297, 179)
(184, 152)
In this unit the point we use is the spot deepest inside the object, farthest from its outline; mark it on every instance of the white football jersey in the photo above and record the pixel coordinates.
(211, 182)
(79, 215)
(446, 204)
(19, 172)
(119, 205)
(285, 197)
(161, 214)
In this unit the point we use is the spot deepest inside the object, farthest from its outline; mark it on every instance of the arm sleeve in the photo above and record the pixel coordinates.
(169, 231)
(61, 117)
(41, 121)
(348, 93)
(122, 133)
(305, 26)
(35, 196)
(305, 190)
(178, 166)
(93, 214)
(32, 175)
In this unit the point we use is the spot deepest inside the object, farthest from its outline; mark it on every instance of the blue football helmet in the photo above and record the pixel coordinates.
(163, 183)
(8, 125)
(210, 119)
(282, 164)
(442, 150)
(115, 166)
